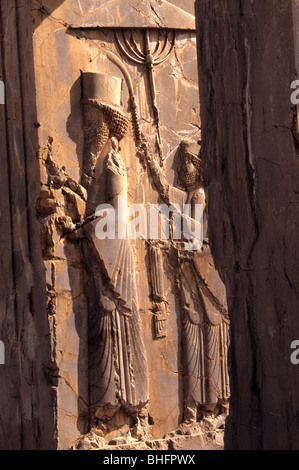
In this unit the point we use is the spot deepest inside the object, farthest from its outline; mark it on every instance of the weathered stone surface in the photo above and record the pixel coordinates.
(124, 14)
(207, 435)
(246, 67)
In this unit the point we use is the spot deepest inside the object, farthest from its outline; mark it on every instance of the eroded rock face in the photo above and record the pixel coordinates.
(208, 434)
(250, 155)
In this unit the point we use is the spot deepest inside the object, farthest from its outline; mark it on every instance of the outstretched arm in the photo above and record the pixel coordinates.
(157, 173)
(158, 176)
(59, 178)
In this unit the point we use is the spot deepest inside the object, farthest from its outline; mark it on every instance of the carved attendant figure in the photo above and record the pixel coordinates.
(202, 295)
(205, 318)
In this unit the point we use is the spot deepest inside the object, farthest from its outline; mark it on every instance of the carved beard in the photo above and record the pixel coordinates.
(101, 123)
(96, 135)
(102, 136)
(189, 179)
(96, 131)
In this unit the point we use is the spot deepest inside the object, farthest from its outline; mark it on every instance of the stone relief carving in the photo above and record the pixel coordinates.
(204, 315)
(205, 322)
(157, 273)
(101, 121)
(151, 57)
(158, 289)
(117, 363)
(61, 204)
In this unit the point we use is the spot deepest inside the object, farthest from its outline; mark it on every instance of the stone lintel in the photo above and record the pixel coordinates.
(126, 14)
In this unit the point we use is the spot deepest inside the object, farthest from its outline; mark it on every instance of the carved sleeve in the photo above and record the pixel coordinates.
(159, 178)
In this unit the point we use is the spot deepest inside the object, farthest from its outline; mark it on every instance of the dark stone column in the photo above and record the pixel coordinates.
(28, 400)
(246, 66)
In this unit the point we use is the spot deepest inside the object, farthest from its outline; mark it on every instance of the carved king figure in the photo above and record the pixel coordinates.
(117, 362)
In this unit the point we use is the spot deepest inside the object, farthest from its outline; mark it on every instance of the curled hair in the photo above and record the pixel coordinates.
(186, 179)
(117, 122)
